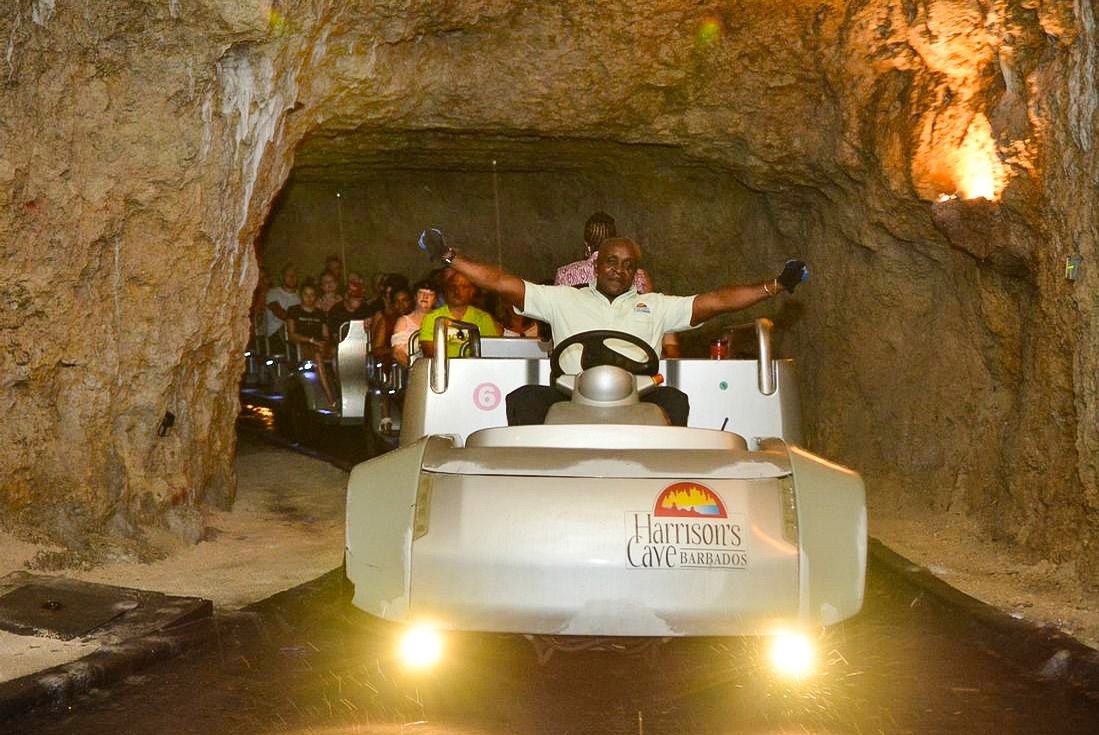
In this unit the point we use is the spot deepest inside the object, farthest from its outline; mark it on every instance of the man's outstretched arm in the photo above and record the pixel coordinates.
(730, 298)
(734, 298)
(491, 278)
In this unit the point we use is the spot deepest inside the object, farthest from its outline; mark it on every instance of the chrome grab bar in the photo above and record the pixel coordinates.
(352, 367)
(766, 362)
(440, 363)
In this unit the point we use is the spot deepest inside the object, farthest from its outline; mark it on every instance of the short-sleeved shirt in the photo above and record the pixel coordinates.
(284, 298)
(405, 327)
(571, 311)
(582, 272)
(339, 314)
(473, 315)
(307, 323)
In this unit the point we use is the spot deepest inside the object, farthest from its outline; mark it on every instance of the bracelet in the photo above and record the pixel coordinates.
(448, 256)
(768, 291)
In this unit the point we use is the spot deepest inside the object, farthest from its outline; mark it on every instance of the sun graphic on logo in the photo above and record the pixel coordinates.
(689, 499)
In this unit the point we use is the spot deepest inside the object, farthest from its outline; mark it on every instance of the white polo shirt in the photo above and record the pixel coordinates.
(571, 311)
(285, 299)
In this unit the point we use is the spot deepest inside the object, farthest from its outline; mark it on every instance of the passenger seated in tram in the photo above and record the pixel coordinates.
(355, 277)
(279, 299)
(459, 295)
(410, 323)
(599, 227)
(307, 327)
(330, 292)
(611, 303)
(333, 266)
(353, 307)
(377, 295)
(398, 302)
(511, 322)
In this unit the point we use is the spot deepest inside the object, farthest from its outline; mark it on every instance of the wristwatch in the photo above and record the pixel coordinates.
(448, 255)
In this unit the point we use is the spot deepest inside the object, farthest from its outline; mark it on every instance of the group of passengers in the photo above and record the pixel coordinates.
(313, 310)
(310, 312)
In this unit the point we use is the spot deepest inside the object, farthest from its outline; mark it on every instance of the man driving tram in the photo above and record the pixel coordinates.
(610, 303)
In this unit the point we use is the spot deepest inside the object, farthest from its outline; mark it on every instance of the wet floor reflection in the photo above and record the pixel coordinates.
(260, 418)
(346, 445)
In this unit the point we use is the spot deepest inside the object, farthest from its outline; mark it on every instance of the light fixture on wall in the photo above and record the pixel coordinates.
(968, 173)
(981, 174)
(974, 166)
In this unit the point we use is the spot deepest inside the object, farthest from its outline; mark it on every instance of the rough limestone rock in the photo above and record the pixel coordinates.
(943, 351)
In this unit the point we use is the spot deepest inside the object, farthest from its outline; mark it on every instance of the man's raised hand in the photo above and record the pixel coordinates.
(433, 244)
(794, 273)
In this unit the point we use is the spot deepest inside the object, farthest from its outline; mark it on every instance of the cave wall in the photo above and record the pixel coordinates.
(129, 158)
(696, 226)
(944, 353)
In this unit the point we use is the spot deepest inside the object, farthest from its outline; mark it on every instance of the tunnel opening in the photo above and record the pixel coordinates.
(520, 202)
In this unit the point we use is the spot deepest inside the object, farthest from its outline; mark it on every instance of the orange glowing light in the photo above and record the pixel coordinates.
(709, 31)
(978, 170)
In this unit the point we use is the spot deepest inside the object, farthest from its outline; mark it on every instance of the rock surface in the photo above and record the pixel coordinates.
(943, 351)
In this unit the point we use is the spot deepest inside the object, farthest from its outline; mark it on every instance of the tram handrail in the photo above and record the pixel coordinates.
(440, 362)
(766, 363)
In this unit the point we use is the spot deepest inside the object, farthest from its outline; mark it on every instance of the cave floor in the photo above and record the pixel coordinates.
(285, 528)
(903, 665)
(960, 553)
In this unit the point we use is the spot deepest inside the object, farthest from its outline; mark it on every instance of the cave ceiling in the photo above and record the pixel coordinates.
(332, 155)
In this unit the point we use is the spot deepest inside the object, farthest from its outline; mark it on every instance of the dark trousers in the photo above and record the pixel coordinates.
(276, 345)
(529, 404)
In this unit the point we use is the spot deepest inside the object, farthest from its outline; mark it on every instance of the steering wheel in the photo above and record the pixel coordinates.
(594, 351)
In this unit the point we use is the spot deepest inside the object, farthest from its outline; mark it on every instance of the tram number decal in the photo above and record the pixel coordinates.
(486, 396)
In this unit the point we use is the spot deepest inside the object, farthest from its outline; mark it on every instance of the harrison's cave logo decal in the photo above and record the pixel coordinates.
(687, 528)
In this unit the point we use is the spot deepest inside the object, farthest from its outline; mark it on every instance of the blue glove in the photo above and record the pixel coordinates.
(433, 243)
(794, 273)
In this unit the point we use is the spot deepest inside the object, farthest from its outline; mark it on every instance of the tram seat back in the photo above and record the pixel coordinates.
(352, 357)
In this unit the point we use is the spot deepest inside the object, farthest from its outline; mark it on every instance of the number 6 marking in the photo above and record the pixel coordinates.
(486, 396)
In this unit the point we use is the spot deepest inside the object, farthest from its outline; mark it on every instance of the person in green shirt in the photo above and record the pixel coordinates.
(459, 293)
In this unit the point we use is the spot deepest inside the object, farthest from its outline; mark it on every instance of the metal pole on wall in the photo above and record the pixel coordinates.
(343, 246)
(496, 202)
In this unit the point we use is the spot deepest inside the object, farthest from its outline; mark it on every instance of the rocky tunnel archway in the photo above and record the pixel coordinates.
(943, 351)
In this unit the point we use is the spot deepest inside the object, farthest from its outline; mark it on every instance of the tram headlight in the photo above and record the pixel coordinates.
(792, 654)
(421, 647)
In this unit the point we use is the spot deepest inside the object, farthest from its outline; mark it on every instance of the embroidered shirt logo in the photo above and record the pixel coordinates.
(642, 308)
